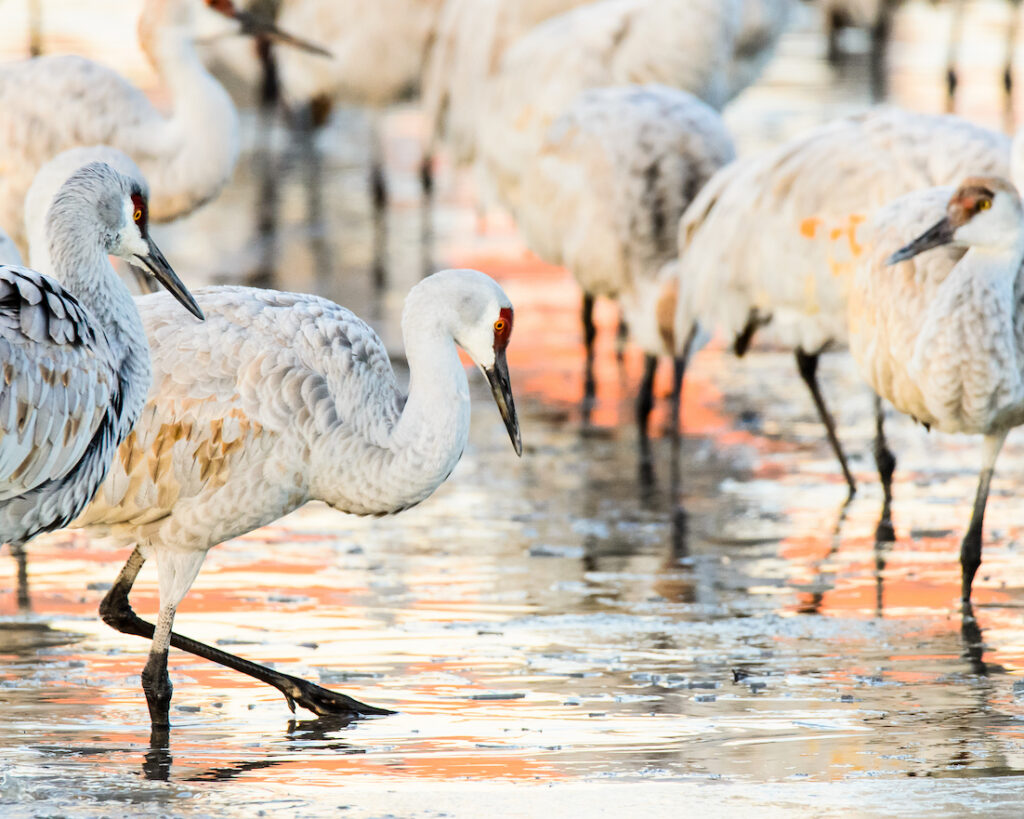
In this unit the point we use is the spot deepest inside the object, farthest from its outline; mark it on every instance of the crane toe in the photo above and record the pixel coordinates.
(322, 701)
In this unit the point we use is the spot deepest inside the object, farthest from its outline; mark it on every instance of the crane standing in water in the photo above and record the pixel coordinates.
(278, 399)
(757, 248)
(603, 197)
(74, 355)
(55, 103)
(943, 338)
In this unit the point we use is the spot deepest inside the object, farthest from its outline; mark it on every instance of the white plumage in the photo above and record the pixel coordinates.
(605, 192)
(55, 103)
(761, 244)
(685, 44)
(74, 358)
(378, 49)
(941, 334)
(278, 399)
(472, 36)
(49, 180)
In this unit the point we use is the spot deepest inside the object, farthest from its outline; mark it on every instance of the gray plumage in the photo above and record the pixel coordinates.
(74, 363)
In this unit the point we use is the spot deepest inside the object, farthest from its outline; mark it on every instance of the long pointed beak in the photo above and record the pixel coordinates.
(497, 377)
(155, 263)
(261, 27)
(941, 233)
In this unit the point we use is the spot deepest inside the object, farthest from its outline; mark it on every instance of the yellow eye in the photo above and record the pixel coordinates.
(984, 204)
(137, 215)
(500, 325)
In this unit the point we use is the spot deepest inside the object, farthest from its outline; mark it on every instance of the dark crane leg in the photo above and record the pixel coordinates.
(117, 612)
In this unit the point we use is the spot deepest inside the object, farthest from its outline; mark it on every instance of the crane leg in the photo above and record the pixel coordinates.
(589, 334)
(378, 182)
(156, 682)
(18, 553)
(678, 373)
(834, 25)
(970, 547)
(879, 54)
(808, 366)
(1011, 45)
(886, 463)
(427, 177)
(117, 612)
(621, 339)
(645, 395)
(270, 86)
(953, 54)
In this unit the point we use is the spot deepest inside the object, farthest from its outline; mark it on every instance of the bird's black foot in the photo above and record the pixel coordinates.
(322, 701)
(158, 689)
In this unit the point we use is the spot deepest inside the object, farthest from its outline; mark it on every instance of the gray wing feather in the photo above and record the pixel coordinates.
(57, 379)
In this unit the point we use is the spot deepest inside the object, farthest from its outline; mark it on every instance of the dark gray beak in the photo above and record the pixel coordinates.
(260, 27)
(497, 377)
(941, 233)
(156, 265)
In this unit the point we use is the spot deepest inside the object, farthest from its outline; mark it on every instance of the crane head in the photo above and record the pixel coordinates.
(478, 315)
(256, 26)
(99, 201)
(136, 246)
(497, 377)
(982, 212)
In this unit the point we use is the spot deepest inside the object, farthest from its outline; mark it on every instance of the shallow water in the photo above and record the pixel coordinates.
(716, 627)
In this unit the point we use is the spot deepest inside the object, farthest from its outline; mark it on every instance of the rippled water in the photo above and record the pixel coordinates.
(715, 632)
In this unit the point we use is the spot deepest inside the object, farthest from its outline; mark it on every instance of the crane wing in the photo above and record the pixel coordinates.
(57, 380)
(266, 372)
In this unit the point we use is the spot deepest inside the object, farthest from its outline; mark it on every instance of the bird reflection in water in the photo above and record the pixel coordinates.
(300, 735)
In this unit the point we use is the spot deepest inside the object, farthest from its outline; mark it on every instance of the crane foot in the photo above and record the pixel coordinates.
(321, 701)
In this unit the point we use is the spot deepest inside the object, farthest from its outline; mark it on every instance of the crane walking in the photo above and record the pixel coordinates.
(943, 338)
(278, 399)
(75, 361)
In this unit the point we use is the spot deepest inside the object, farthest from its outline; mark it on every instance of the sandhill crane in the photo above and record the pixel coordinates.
(277, 399)
(686, 44)
(379, 48)
(756, 248)
(471, 38)
(54, 103)
(943, 338)
(48, 182)
(603, 197)
(74, 354)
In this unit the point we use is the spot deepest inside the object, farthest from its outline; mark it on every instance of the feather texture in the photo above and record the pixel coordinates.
(775, 234)
(279, 398)
(684, 44)
(607, 188)
(55, 103)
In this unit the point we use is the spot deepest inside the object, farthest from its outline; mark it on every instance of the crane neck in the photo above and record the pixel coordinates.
(434, 425)
(80, 263)
(994, 264)
(191, 158)
(399, 468)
